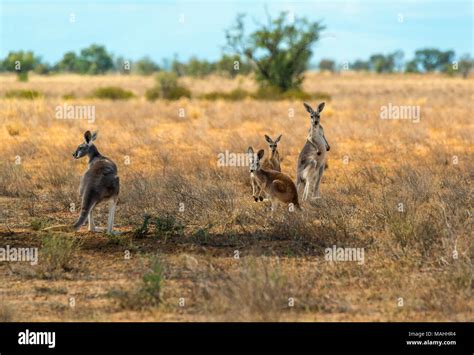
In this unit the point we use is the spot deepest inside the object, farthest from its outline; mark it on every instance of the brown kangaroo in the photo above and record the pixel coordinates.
(272, 162)
(278, 186)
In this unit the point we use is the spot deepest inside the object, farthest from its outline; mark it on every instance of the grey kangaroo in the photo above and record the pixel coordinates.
(312, 159)
(99, 183)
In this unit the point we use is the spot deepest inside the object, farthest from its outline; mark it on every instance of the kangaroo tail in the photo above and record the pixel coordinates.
(59, 228)
(82, 218)
(86, 207)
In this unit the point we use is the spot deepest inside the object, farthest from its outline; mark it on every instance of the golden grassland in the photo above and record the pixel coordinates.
(418, 263)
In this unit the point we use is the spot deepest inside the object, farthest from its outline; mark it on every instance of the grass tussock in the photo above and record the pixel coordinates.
(167, 88)
(265, 93)
(23, 94)
(147, 292)
(258, 289)
(57, 255)
(112, 93)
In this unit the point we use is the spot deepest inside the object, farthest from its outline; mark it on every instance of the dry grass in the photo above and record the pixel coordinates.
(202, 215)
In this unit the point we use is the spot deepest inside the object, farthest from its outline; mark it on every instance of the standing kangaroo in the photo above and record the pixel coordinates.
(99, 183)
(278, 186)
(312, 159)
(272, 162)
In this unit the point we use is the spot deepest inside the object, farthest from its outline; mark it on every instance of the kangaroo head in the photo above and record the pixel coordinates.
(84, 148)
(273, 145)
(254, 160)
(315, 114)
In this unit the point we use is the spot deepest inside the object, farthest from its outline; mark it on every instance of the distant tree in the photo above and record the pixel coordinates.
(68, 63)
(360, 65)
(122, 65)
(145, 66)
(199, 68)
(386, 63)
(233, 65)
(465, 65)
(327, 65)
(280, 50)
(412, 67)
(95, 60)
(178, 67)
(91, 60)
(431, 59)
(42, 68)
(21, 63)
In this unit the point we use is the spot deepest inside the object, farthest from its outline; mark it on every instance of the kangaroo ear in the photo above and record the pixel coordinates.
(250, 150)
(308, 108)
(278, 139)
(268, 139)
(260, 153)
(321, 106)
(87, 137)
(94, 136)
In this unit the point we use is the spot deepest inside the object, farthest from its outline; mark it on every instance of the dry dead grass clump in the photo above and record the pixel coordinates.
(146, 292)
(15, 181)
(258, 289)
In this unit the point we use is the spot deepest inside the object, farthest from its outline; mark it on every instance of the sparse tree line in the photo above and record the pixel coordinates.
(426, 60)
(96, 60)
(277, 52)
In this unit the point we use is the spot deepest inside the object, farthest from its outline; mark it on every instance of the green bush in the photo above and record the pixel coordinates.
(177, 93)
(57, 253)
(142, 230)
(23, 94)
(234, 95)
(39, 223)
(281, 48)
(167, 87)
(152, 286)
(266, 93)
(148, 293)
(167, 226)
(70, 96)
(112, 93)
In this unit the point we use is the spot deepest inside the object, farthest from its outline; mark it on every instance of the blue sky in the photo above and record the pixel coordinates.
(161, 29)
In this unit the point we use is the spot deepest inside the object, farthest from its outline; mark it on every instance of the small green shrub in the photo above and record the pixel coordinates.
(167, 87)
(22, 76)
(152, 286)
(148, 293)
(142, 231)
(177, 92)
(69, 96)
(274, 93)
(234, 95)
(202, 234)
(266, 93)
(167, 226)
(23, 94)
(57, 252)
(112, 93)
(39, 223)
(153, 94)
